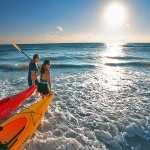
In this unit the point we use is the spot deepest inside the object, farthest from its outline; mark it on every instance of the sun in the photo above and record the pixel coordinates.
(115, 14)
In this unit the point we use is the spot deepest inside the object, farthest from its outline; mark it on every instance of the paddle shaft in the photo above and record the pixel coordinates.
(19, 49)
(26, 55)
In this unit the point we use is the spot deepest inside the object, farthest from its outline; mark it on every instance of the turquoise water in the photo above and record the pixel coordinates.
(102, 94)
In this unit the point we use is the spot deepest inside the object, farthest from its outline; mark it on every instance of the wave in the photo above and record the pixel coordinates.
(138, 64)
(137, 45)
(73, 66)
(82, 45)
(125, 58)
(57, 58)
(24, 67)
(14, 67)
(69, 57)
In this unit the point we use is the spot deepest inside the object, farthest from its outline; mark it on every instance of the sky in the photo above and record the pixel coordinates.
(73, 21)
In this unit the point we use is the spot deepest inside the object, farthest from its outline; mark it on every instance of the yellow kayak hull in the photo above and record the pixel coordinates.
(16, 131)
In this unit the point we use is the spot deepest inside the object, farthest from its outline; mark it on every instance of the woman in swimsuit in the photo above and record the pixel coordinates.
(44, 87)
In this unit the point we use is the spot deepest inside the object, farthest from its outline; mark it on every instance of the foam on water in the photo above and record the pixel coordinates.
(7, 88)
(85, 116)
(104, 108)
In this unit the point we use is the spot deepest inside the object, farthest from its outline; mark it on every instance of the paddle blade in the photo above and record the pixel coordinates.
(17, 47)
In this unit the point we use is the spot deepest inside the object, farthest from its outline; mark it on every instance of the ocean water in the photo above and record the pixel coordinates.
(102, 94)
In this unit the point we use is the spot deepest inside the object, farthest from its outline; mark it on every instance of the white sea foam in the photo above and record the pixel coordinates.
(54, 144)
(90, 111)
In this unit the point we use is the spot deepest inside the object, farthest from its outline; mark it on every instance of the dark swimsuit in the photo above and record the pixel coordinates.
(43, 87)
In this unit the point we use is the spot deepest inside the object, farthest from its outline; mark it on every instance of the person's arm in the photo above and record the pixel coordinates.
(37, 74)
(49, 82)
(33, 77)
(33, 74)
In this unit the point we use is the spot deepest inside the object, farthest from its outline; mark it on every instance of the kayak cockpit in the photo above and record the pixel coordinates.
(10, 132)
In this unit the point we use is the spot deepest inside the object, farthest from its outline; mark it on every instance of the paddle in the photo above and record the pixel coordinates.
(19, 49)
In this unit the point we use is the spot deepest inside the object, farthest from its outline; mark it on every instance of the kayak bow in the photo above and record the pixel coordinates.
(15, 132)
(8, 104)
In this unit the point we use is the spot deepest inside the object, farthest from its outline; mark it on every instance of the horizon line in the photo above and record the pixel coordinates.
(78, 43)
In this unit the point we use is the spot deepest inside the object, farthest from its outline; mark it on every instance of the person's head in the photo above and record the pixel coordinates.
(46, 65)
(36, 57)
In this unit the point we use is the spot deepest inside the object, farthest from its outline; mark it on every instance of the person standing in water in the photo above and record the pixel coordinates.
(44, 87)
(33, 71)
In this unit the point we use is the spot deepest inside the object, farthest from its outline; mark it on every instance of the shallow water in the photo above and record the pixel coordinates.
(98, 103)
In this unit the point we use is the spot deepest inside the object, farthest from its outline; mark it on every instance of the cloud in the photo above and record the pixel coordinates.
(83, 35)
(45, 36)
(59, 29)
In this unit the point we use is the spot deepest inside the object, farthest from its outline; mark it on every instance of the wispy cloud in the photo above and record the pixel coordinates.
(45, 36)
(59, 29)
(79, 37)
(83, 35)
(54, 33)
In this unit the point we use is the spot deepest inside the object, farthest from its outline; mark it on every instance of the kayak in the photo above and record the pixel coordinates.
(16, 131)
(8, 104)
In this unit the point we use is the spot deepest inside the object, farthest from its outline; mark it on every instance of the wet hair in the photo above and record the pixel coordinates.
(44, 64)
(35, 56)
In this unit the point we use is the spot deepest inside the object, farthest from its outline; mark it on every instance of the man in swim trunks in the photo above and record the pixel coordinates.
(33, 71)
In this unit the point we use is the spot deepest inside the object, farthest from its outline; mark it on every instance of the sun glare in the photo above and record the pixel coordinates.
(114, 14)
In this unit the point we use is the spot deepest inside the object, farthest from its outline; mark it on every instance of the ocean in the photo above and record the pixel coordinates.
(102, 94)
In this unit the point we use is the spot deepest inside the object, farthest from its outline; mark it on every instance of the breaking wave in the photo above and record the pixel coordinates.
(137, 64)
(24, 67)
